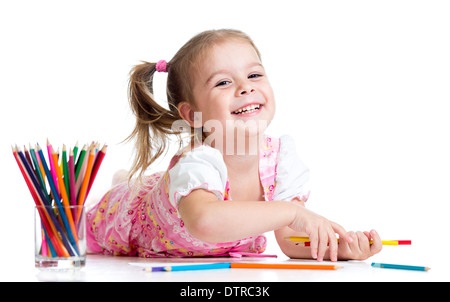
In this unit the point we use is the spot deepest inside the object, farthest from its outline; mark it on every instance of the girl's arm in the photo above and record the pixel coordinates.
(212, 220)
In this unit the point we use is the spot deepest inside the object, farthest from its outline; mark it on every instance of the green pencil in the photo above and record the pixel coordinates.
(65, 170)
(80, 162)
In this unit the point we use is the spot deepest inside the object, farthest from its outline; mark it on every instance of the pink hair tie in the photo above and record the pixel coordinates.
(161, 66)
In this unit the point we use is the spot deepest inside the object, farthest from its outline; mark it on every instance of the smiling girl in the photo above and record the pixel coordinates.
(231, 183)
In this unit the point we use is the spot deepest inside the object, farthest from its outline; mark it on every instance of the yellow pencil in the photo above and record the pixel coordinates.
(306, 241)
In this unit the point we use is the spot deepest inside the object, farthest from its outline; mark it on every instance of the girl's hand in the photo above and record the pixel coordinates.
(360, 248)
(321, 233)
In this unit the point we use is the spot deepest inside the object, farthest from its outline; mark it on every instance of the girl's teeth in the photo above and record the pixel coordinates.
(247, 109)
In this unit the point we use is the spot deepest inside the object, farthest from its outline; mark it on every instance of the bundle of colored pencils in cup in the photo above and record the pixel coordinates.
(59, 189)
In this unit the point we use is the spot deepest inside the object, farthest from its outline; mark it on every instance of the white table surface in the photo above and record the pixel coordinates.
(115, 268)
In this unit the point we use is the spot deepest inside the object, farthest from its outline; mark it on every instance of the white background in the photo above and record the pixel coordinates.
(363, 86)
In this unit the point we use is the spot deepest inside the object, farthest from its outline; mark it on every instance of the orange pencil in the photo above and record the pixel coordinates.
(84, 186)
(285, 266)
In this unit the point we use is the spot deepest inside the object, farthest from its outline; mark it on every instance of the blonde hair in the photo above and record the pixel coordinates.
(153, 121)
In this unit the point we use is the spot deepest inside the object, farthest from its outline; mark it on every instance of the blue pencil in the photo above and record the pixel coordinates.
(399, 266)
(189, 267)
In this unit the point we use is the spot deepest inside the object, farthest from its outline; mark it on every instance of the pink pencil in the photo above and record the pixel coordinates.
(52, 166)
(72, 188)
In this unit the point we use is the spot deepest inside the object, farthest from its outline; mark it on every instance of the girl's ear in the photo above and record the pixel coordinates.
(187, 113)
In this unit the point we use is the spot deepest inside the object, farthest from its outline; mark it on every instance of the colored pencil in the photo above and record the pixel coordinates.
(65, 167)
(73, 194)
(75, 152)
(306, 241)
(87, 175)
(81, 171)
(52, 167)
(188, 267)
(98, 161)
(399, 266)
(285, 266)
(79, 162)
(221, 265)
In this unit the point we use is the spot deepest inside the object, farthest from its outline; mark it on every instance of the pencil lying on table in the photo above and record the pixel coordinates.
(401, 266)
(285, 266)
(306, 242)
(207, 266)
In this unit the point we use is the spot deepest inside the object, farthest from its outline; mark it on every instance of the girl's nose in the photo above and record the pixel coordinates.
(245, 88)
(247, 91)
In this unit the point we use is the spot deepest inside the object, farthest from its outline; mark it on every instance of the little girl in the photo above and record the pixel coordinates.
(231, 183)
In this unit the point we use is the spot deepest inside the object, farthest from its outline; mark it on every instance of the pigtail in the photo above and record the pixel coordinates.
(153, 121)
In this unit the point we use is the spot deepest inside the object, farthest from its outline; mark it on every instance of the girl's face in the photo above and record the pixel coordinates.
(231, 85)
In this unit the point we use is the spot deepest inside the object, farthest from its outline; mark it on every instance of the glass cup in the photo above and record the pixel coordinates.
(60, 237)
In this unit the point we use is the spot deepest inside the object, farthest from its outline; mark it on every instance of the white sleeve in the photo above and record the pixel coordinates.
(292, 174)
(201, 168)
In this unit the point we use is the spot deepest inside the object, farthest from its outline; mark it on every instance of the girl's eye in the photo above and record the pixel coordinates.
(254, 76)
(222, 83)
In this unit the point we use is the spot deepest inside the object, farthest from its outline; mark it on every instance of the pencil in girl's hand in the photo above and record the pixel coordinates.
(306, 242)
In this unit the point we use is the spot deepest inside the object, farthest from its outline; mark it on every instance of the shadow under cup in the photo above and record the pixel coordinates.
(60, 237)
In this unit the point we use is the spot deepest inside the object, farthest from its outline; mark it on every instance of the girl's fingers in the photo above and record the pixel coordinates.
(376, 245)
(333, 246)
(323, 245)
(313, 244)
(341, 231)
(363, 243)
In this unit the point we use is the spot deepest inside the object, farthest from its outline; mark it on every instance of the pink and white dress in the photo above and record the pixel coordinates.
(146, 223)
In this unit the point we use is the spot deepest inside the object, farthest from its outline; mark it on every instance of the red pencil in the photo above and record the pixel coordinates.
(98, 161)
